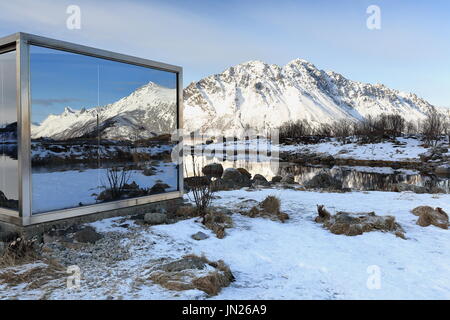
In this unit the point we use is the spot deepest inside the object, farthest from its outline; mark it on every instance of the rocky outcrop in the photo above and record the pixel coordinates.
(324, 181)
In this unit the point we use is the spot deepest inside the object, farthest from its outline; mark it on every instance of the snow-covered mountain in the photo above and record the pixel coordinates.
(148, 111)
(258, 95)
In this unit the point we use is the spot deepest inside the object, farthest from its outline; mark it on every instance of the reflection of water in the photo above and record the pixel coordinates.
(367, 178)
(9, 182)
(76, 185)
(357, 178)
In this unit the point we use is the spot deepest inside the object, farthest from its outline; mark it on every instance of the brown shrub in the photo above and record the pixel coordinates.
(421, 209)
(429, 216)
(217, 222)
(271, 204)
(268, 208)
(352, 224)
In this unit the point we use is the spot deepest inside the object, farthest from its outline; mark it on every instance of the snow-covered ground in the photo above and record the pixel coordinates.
(388, 151)
(271, 260)
(406, 149)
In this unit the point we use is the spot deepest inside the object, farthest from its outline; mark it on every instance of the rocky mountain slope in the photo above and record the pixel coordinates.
(260, 95)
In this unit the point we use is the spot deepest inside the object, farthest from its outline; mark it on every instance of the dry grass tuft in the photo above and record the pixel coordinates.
(183, 274)
(217, 222)
(214, 219)
(353, 224)
(187, 212)
(35, 277)
(271, 204)
(19, 251)
(268, 208)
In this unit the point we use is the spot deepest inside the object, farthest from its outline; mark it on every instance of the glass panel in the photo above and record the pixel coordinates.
(100, 130)
(9, 189)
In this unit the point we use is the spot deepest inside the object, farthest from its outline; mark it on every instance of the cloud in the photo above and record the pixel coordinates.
(51, 102)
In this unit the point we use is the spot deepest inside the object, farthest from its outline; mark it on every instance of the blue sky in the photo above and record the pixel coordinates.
(60, 79)
(411, 52)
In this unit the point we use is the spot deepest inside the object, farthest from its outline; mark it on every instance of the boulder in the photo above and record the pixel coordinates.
(155, 218)
(245, 172)
(199, 236)
(276, 179)
(324, 181)
(235, 179)
(214, 170)
(87, 235)
(429, 216)
(260, 180)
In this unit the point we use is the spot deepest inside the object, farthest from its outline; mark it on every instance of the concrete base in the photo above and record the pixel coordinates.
(7, 229)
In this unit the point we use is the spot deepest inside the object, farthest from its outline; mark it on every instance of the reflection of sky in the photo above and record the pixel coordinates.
(61, 79)
(8, 113)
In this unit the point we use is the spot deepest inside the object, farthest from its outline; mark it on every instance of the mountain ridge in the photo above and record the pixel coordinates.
(260, 95)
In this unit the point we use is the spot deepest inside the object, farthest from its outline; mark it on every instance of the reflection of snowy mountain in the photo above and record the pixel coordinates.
(260, 95)
(8, 133)
(148, 111)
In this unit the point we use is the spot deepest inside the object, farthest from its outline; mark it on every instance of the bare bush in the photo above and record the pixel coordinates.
(202, 189)
(342, 129)
(411, 127)
(447, 128)
(433, 127)
(294, 130)
(395, 125)
(117, 178)
(324, 130)
(375, 129)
